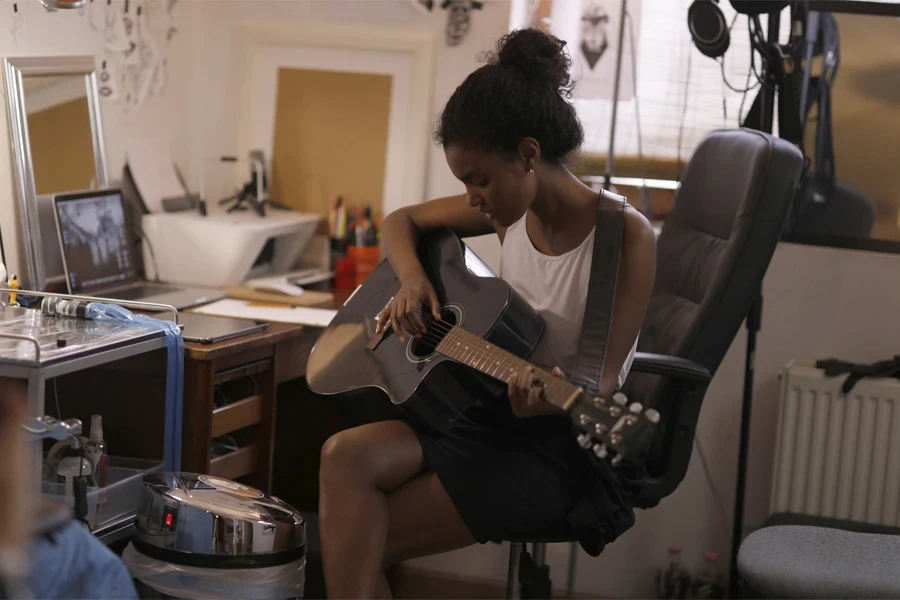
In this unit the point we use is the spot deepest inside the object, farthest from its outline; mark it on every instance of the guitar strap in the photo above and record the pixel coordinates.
(598, 307)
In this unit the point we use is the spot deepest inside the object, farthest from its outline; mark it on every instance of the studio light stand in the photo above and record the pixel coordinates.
(772, 78)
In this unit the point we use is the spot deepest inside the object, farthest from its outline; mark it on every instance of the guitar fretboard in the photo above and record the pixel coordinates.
(471, 350)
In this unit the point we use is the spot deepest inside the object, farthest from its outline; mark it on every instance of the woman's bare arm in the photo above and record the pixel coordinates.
(401, 229)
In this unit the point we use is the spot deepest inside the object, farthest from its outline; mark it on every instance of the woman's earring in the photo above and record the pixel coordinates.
(531, 170)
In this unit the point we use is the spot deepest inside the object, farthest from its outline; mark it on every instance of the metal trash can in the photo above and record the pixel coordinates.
(199, 536)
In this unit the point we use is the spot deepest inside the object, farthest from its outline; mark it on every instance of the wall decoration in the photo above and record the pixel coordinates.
(108, 82)
(459, 19)
(594, 52)
(594, 22)
(18, 24)
(137, 34)
(115, 39)
(96, 13)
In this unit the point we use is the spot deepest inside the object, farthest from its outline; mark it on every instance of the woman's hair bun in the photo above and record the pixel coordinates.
(523, 91)
(538, 55)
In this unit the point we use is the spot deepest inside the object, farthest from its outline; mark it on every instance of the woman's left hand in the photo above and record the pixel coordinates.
(526, 394)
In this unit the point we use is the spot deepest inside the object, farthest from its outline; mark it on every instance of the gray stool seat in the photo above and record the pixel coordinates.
(816, 562)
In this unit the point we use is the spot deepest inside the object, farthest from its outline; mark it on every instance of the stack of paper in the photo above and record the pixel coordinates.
(316, 317)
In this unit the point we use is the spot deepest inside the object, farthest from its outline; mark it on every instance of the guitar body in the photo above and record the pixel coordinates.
(427, 386)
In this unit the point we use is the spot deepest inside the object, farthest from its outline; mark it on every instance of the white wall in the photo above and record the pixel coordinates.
(67, 32)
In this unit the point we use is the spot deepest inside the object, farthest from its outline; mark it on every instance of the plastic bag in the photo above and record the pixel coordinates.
(195, 583)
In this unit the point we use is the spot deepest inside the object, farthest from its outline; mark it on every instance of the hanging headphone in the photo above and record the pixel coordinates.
(708, 28)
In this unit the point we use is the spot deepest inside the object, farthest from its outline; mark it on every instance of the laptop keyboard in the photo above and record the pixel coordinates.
(144, 291)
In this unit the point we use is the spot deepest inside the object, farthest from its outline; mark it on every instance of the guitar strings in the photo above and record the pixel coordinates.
(446, 327)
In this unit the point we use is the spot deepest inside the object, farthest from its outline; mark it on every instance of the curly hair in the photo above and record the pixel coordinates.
(522, 91)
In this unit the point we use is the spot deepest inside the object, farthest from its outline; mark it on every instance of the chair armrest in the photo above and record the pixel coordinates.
(670, 366)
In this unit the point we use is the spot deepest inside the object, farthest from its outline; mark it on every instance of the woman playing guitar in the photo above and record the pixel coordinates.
(390, 492)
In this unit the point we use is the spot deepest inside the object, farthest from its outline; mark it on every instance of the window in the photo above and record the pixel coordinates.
(681, 94)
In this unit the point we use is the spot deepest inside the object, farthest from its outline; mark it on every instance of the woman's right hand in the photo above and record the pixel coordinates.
(403, 311)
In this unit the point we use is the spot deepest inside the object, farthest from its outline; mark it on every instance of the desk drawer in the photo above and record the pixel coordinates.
(237, 415)
(246, 370)
(235, 464)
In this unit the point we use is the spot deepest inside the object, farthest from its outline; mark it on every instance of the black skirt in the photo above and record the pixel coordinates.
(527, 479)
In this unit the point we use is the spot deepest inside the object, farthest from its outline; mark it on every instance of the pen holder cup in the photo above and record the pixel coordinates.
(344, 272)
(366, 258)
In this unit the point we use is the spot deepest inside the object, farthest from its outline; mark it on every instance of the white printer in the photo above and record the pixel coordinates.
(224, 249)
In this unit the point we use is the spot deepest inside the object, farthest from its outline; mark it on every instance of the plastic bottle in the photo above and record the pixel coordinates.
(95, 451)
(709, 582)
(673, 581)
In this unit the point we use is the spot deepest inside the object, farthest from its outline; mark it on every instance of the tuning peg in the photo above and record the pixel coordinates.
(584, 420)
(620, 399)
(636, 408)
(585, 441)
(600, 451)
(652, 415)
(600, 428)
(616, 460)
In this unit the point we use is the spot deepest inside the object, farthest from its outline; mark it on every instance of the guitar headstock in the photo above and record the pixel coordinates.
(613, 428)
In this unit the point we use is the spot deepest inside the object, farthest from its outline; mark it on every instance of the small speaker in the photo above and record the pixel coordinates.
(708, 28)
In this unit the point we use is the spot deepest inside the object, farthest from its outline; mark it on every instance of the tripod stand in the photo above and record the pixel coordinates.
(255, 192)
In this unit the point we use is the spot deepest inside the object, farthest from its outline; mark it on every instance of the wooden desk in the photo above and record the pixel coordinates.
(230, 388)
(233, 388)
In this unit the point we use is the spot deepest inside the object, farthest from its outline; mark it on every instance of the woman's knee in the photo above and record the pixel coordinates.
(382, 455)
(343, 453)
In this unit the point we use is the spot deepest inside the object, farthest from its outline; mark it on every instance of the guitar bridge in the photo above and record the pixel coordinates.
(379, 337)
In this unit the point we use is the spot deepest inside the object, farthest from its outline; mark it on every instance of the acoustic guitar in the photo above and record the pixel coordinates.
(485, 333)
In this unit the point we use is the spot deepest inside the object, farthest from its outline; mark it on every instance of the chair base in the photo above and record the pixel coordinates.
(528, 575)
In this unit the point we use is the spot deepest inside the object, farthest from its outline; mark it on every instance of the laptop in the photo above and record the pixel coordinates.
(99, 258)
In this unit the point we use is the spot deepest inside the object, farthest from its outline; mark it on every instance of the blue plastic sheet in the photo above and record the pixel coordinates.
(98, 311)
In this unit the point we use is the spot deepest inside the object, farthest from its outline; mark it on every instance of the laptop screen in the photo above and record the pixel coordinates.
(94, 239)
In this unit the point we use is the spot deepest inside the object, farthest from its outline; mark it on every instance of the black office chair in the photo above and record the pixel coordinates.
(712, 254)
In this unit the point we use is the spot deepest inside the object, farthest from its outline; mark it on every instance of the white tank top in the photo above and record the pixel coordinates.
(556, 286)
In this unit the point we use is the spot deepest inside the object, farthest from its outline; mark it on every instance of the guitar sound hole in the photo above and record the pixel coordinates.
(435, 332)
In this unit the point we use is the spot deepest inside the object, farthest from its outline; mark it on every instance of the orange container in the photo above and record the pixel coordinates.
(366, 259)
(344, 272)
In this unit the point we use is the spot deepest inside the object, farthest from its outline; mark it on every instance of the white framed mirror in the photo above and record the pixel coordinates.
(57, 145)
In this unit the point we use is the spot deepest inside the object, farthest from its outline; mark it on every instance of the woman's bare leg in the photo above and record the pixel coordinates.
(377, 508)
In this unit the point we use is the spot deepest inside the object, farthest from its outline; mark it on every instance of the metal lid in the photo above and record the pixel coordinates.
(200, 519)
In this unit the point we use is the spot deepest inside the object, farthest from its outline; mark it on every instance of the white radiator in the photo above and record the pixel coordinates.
(837, 456)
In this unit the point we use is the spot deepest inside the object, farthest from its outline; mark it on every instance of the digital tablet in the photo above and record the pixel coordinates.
(207, 329)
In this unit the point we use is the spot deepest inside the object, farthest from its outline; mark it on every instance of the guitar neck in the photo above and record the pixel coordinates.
(468, 349)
